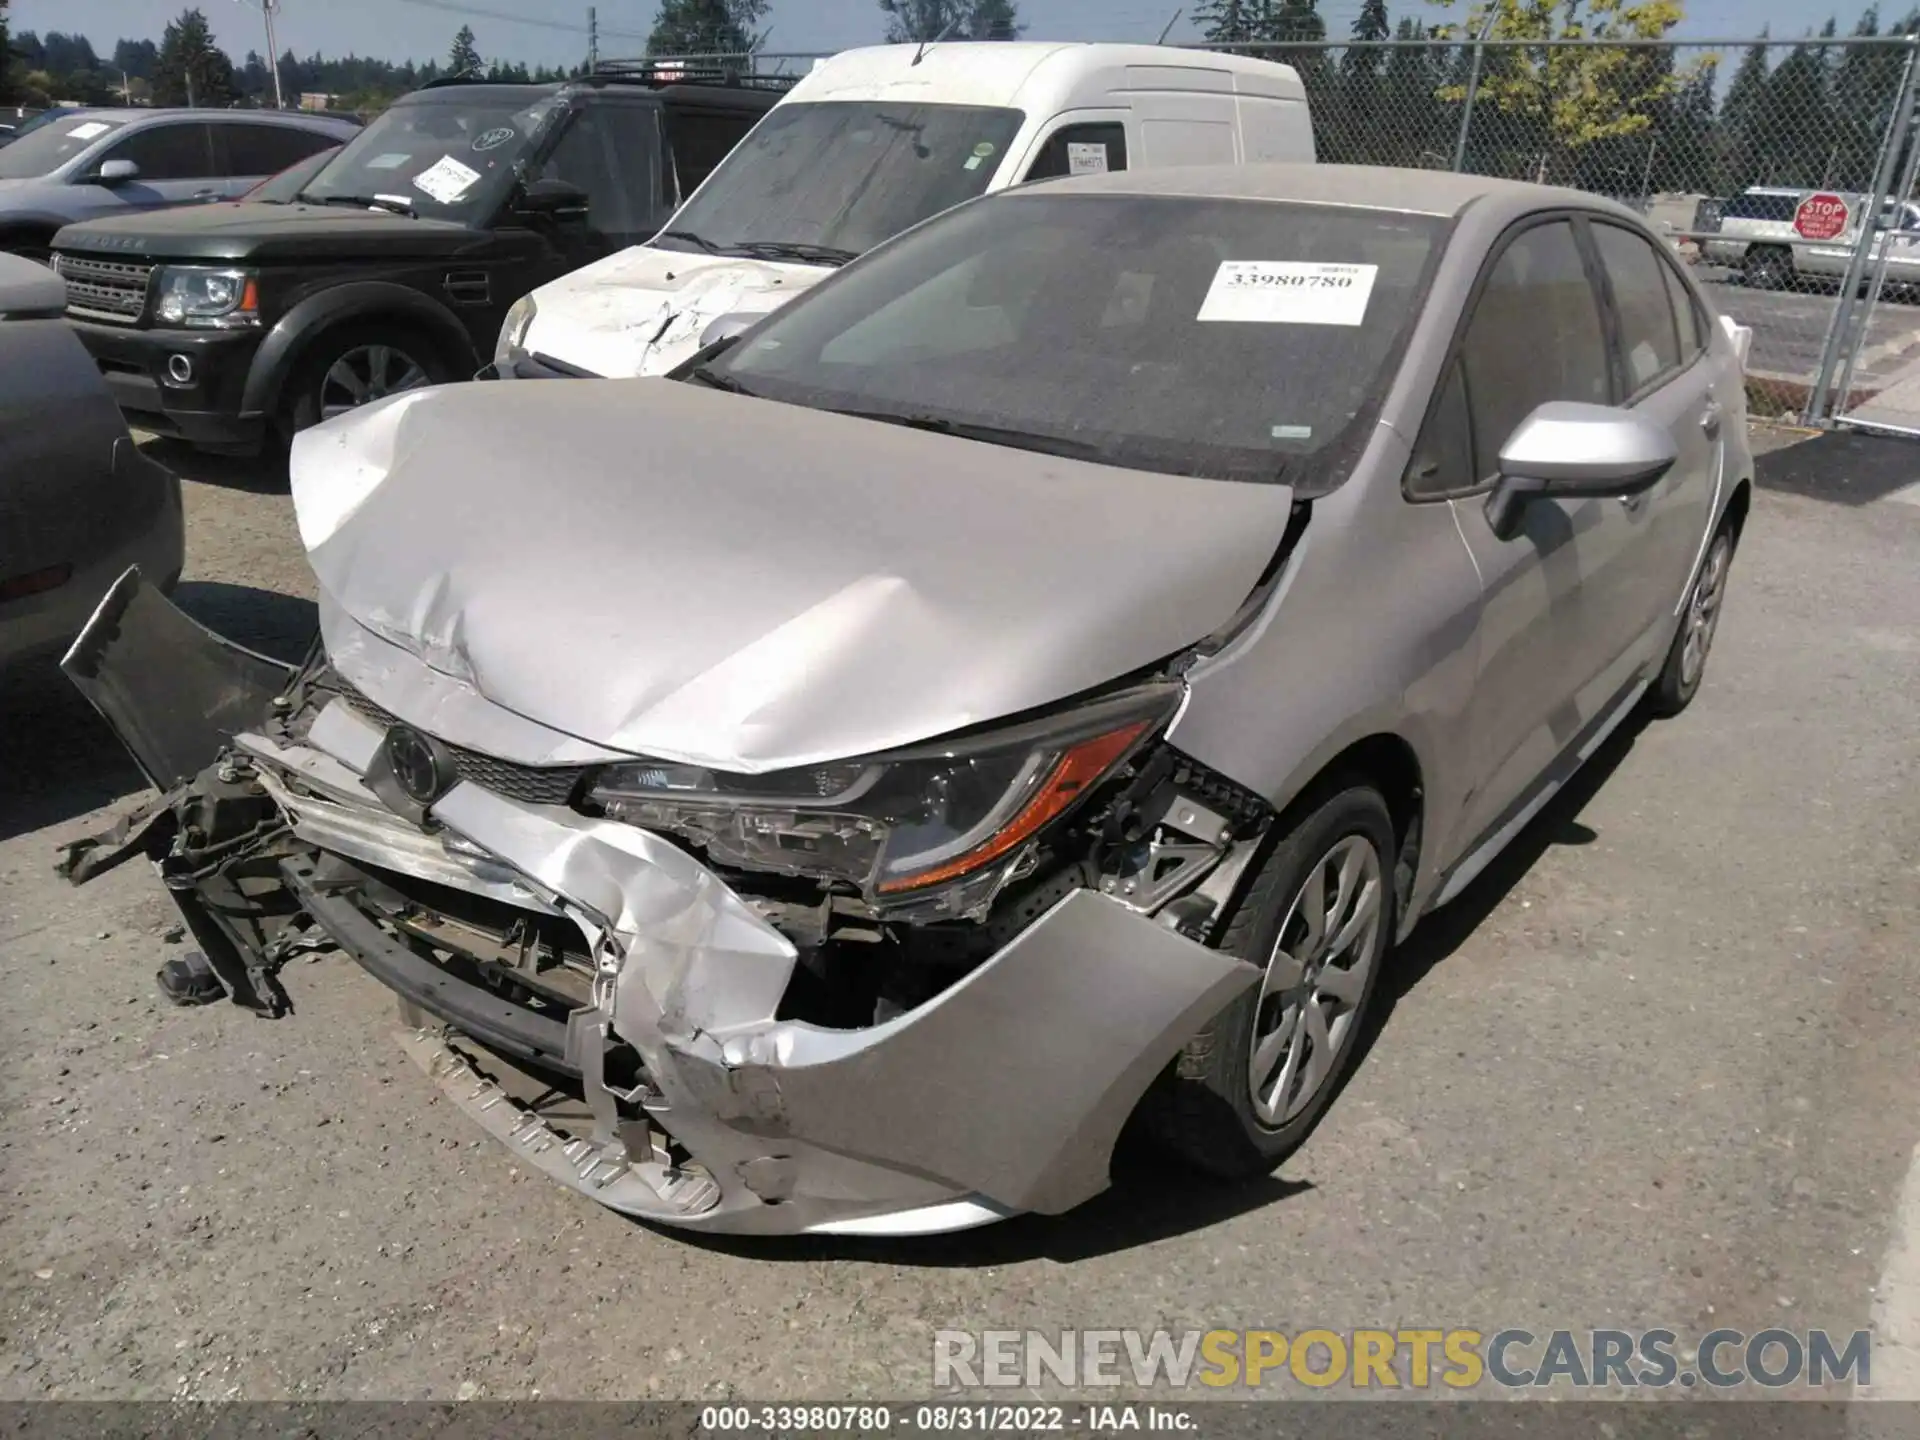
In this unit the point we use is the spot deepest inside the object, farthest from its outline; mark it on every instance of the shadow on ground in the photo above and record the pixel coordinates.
(1844, 466)
(58, 759)
(262, 474)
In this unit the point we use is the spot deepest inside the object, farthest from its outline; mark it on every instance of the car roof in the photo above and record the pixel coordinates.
(1011, 73)
(1413, 192)
(134, 114)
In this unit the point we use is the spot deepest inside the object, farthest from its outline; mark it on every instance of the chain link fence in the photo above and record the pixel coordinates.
(1781, 170)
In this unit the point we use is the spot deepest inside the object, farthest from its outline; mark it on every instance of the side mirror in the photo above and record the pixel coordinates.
(116, 172)
(1568, 450)
(552, 200)
(730, 326)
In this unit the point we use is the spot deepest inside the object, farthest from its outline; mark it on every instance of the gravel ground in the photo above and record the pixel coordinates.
(1656, 1067)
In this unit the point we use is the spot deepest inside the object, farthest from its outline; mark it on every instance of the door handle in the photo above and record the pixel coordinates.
(1710, 418)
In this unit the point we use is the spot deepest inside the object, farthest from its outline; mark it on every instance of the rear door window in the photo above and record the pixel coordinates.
(254, 151)
(1686, 316)
(179, 150)
(1649, 338)
(1081, 150)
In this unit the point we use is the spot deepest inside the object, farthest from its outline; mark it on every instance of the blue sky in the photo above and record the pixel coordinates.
(417, 29)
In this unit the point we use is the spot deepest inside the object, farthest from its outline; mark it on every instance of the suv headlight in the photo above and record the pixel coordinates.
(513, 331)
(207, 299)
(899, 825)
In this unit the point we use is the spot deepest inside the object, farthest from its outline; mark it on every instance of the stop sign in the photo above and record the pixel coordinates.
(1821, 217)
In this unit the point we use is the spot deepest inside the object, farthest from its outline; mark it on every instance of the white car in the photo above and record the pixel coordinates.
(869, 145)
(1756, 235)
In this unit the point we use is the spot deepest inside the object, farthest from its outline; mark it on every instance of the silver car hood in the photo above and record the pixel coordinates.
(656, 569)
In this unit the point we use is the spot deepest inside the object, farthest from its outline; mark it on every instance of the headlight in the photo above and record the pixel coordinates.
(513, 332)
(208, 299)
(898, 825)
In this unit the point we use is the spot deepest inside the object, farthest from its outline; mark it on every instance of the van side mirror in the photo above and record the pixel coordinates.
(1568, 450)
(116, 172)
(552, 200)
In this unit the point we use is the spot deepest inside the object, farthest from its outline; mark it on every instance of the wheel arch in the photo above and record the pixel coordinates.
(292, 339)
(1738, 504)
(1389, 763)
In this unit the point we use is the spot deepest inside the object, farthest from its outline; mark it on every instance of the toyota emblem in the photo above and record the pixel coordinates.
(424, 770)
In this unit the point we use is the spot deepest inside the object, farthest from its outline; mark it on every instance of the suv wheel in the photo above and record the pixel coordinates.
(1769, 268)
(355, 366)
(1318, 919)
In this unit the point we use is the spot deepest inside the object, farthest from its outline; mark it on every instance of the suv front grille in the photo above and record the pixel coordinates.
(529, 784)
(111, 290)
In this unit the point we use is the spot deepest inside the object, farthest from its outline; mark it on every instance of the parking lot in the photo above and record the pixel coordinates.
(1655, 1068)
(1790, 328)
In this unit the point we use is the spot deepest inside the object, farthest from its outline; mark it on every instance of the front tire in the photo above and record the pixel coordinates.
(355, 366)
(1769, 268)
(1319, 919)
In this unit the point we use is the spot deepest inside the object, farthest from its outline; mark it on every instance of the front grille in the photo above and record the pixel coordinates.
(111, 290)
(529, 784)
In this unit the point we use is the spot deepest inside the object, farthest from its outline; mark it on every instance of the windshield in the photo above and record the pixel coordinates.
(44, 144)
(448, 156)
(842, 176)
(284, 188)
(1224, 338)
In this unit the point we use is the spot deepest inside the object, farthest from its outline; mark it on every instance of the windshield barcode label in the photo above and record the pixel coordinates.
(1290, 292)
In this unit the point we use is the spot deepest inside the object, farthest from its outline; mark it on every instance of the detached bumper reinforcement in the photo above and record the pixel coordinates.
(472, 1009)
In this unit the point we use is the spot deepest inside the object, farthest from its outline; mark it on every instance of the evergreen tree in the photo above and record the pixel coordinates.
(465, 54)
(909, 21)
(190, 69)
(1741, 116)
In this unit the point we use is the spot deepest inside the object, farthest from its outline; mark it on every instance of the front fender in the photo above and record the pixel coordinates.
(288, 340)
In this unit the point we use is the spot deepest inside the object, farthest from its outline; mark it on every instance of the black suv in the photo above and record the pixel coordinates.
(394, 264)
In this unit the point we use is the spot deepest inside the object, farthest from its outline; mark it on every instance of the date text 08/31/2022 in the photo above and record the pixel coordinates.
(940, 1419)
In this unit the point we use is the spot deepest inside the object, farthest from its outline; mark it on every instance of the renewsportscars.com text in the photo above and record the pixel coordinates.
(1415, 1359)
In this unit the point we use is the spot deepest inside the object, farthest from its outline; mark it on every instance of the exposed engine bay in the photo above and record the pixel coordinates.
(702, 998)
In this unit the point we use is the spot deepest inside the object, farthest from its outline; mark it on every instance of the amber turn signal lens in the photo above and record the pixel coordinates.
(1072, 774)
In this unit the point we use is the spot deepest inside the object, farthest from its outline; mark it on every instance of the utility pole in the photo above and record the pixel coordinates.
(593, 39)
(267, 7)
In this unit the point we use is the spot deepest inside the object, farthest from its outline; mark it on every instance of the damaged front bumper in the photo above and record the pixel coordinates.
(656, 1073)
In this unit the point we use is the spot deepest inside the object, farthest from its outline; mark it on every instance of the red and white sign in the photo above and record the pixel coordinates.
(1821, 217)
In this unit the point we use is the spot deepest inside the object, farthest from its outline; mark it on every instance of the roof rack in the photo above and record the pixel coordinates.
(664, 72)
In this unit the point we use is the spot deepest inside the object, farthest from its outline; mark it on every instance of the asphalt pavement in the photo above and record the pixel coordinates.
(1790, 329)
(1656, 1067)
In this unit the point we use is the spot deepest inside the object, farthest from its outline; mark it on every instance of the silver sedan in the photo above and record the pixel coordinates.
(1037, 675)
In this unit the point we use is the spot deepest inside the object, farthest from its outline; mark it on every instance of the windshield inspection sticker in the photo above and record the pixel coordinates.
(446, 180)
(89, 131)
(981, 153)
(1086, 159)
(389, 162)
(1290, 292)
(495, 138)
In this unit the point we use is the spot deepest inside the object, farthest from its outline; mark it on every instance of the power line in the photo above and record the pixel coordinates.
(481, 12)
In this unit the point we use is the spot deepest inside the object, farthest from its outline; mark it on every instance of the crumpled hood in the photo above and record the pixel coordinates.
(662, 570)
(643, 311)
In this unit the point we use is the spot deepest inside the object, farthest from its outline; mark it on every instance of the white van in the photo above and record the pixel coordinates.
(870, 144)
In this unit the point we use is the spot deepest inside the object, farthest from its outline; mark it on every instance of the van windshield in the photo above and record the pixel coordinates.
(830, 180)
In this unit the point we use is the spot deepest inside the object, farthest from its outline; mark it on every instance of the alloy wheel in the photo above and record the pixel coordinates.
(367, 373)
(1703, 611)
(1315, 980)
